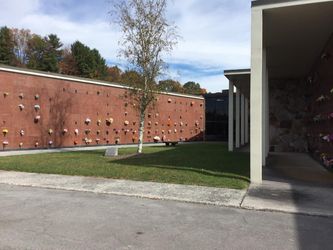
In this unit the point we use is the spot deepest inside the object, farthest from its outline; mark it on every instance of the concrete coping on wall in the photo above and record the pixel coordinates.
(81, 80)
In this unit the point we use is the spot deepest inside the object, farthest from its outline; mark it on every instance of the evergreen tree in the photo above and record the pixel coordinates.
(52, 54)
(7, 55)
(89, 62)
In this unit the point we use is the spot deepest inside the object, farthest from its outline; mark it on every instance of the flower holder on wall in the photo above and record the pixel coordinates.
(321, 98)
(36, 96)
(5, 143)
(5, 131)
(87, 140)
(65, 131)
(5, 94)
(76, 131)
(317, 118)
(22, 132)
(21, 95)
(37, 107)
(21, 106)
(87, 121)
(157, 139)
(50, 131)
(109, 121)
(21, 144)
(37, 118)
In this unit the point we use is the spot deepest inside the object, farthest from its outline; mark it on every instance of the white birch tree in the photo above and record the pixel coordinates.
(146, 37)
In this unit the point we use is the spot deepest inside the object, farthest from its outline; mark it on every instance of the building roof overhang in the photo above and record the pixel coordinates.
(241, 79)
(294, 35)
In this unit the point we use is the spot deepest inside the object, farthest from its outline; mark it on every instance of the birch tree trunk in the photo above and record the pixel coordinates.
(141, 130)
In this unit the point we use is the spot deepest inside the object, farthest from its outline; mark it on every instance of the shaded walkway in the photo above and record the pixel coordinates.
(295, 183)
(296, 168)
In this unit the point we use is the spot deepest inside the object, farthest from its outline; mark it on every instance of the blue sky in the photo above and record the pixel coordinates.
(215, 33)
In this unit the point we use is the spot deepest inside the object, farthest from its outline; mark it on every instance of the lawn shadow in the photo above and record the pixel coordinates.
(210, 159)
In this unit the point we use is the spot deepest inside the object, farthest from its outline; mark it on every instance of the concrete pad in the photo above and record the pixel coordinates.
(290, 198)
(61, 150)
(185, 193)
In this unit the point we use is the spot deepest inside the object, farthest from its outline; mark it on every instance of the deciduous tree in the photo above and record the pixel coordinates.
(192, 88)
(147, 34)
(21, 38)
(170, 86)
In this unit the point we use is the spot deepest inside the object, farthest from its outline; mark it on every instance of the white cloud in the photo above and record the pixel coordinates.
(215, 34)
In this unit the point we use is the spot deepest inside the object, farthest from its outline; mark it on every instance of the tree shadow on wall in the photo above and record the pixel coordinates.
(59, 113)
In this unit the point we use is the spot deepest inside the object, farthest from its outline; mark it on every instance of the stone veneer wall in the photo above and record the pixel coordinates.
(288, 116)
(320, 107)
(64, 108)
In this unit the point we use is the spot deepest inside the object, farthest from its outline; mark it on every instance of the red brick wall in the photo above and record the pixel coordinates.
(66, 104)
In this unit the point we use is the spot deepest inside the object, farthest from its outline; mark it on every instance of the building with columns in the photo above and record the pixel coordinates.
(288, 92)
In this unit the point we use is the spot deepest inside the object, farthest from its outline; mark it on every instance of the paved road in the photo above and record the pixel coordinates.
(35, 218)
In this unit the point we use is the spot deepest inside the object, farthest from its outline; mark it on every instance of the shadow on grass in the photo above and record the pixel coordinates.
(206, 159)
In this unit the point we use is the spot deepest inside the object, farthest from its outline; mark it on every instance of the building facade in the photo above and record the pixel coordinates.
(42, 110)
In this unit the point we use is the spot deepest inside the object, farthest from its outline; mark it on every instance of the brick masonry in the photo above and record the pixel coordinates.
(64, 108)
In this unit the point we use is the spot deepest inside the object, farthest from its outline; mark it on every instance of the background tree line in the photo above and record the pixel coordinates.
(21, 48)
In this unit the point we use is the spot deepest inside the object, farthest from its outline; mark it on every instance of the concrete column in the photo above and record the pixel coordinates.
(237, 118)
(256, 98)
(246, 121)
(242, 120)
(231, 118)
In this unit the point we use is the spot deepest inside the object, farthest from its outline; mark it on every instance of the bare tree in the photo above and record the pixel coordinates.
(147, 36)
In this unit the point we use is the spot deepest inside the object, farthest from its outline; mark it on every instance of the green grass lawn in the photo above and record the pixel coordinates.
(206, 164)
